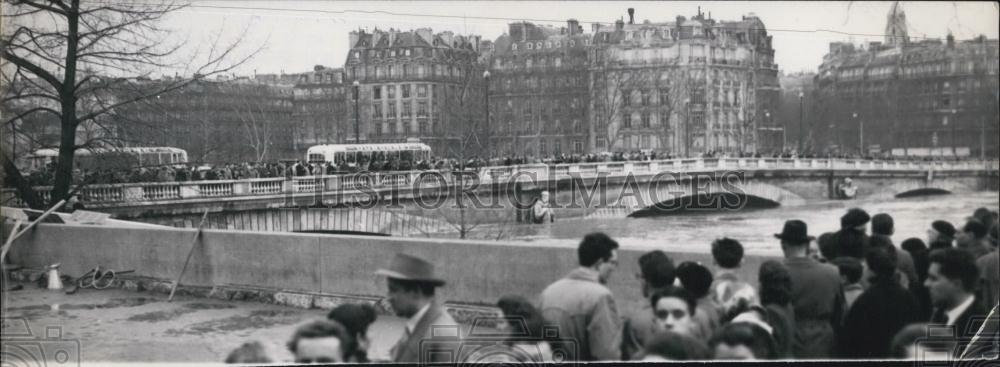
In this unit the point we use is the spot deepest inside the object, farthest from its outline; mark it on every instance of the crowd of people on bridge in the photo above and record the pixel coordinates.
(44, 176)
(850, 294)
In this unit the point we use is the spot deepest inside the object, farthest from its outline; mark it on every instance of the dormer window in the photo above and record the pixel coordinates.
(548, 44)
(513, 46)
(572, 43)
(530, 45)
(558, 44)
(538, 46)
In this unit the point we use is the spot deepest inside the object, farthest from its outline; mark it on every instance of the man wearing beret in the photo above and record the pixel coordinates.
(412, 284)
(940, 235)
(817, 294)
(852, 238)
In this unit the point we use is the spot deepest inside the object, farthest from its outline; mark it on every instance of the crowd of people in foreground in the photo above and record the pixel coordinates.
(44, 176)
(851, 294)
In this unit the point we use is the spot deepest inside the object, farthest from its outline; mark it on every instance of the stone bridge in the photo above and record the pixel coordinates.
(434, 199)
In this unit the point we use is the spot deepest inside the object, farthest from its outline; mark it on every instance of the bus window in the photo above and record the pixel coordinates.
(406, 155)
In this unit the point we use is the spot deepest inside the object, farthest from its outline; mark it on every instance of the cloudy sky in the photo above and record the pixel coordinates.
(296, 35)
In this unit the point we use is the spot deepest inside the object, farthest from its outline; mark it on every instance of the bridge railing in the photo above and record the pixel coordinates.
(111, 194)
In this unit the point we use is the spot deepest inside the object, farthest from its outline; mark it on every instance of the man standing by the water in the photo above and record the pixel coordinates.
(541, 212)
(817, 294)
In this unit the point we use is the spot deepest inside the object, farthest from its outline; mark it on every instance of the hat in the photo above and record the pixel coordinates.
(406, 267)
(854, 217)
(882, 224)
(795, 231)
(944, 228)
(976, 227)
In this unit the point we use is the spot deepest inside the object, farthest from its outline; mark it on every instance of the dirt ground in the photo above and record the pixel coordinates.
(119, 326)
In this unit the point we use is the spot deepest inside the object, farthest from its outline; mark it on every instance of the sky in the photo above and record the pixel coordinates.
(317, 34)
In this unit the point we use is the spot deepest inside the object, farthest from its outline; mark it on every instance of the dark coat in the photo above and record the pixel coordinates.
(408, 349)
(875, 317)
(818, 301)
(782, 320)
(968, 324)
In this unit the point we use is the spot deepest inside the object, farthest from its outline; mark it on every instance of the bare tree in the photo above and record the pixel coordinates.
(79, 58)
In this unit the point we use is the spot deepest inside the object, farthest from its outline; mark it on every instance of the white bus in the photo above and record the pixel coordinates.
(111, 158)
(353, 153)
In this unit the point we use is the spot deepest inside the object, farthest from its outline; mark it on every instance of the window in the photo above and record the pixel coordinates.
(422, 109)
(391, 91)
(406, 90)
(664, 96)
(644, 142)
(601, 143)
(377, 110)
(645, 98)
(531, 45)
(422, 91)
(626, 120)
(626, 98)
(513, 46)
(572, 43)
(422, 126)
(557, 147)
(577, 146)
(376, 92)
(542, 149)
(392, 111)
(645, 120)
(407, 108)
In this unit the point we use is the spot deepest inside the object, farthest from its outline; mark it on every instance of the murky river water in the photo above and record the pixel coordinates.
(755, 228)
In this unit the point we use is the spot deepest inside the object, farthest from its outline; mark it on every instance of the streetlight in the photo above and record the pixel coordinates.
(767, 116)
(687, 128)
(801, 131)
(357, 136)
(861, 133)
(486, 147)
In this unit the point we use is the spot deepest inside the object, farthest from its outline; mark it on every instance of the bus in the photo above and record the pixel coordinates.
(351, 154)
(110, 158)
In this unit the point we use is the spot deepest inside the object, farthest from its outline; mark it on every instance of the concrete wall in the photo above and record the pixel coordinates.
(478, 273)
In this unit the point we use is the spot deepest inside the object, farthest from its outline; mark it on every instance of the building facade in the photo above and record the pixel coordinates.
(914, 98)
(321, 109)
(686, 87)
(539, 91)
(228, 119)
(416, 84)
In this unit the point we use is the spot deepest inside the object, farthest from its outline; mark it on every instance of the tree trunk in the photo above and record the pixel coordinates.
(67, 95)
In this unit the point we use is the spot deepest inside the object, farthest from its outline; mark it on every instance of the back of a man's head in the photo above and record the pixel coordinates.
(657, 269)
(977, 228)
(696, 278)
(881, 261)
(882, 224)
(849, 268)
(324, 329)
(727, 252)
(595, 247)
(672, 346)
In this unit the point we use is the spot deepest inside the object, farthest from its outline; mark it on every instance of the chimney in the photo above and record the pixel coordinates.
(619, 24)
(573, 26)
(631, 15)
(951, 40)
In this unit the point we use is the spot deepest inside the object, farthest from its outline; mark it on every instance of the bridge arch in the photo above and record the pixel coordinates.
(735, 195)
(922, 186)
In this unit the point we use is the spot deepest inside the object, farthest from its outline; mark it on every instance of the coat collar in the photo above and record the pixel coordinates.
(585, 274)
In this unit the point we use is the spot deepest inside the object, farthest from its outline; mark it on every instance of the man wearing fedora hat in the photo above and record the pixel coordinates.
(412, 283)
(817, 294)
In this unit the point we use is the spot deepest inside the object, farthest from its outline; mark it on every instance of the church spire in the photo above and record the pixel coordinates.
(895, 27)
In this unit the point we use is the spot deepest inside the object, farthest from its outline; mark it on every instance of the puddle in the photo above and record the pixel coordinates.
(157, 316)
(208, 306)
(255, 320)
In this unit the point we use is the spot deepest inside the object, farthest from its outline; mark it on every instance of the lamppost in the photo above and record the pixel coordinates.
(954, 146)
(486, 145)
(687, 128)
(357, 135)
(801, 131)
(861, 133)
(767, 118)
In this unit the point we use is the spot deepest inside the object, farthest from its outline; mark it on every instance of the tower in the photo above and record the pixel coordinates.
(895, 27)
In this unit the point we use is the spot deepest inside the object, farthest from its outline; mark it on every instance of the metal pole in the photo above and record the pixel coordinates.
(687, 130)
(357, 135)
(486, 146)
(801, 131)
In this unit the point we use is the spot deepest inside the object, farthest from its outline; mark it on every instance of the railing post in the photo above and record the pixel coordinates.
(241, 188)
(188, 190)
